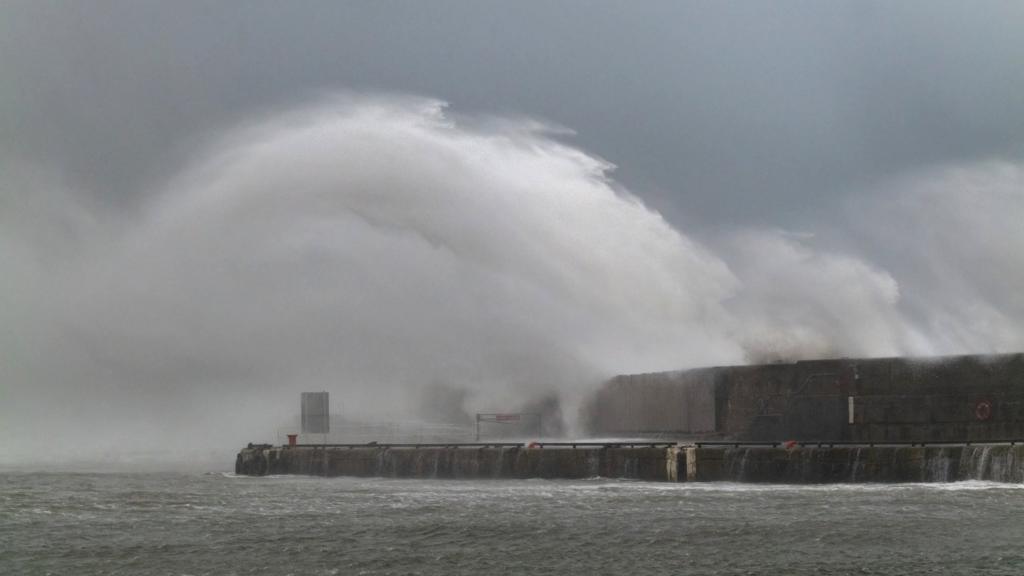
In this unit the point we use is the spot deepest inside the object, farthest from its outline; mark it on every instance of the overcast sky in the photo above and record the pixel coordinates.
(714, 112)
(206, 208)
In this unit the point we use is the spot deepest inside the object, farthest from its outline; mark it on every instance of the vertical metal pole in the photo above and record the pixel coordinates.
(477, 427)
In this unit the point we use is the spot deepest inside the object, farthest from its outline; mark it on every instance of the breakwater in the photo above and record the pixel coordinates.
(827, 464)
(462, 461)
(655, 462)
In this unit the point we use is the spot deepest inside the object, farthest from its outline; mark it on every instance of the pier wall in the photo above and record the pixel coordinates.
(639, 463)
(799, 465)
(818, 465)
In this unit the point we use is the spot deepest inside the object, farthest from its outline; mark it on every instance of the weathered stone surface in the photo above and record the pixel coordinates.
(460, 462)
(895, 400)
(815, 465)
(800, 465)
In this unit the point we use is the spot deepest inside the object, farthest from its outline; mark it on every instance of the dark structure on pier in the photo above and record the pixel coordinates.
(945, 399)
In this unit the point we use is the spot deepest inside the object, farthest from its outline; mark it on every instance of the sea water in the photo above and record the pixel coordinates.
(217, 523)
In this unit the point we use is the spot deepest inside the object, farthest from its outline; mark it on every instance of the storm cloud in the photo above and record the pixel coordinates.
(206, 209)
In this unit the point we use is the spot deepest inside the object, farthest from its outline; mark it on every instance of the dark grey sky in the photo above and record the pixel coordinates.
(206, 208)
(716, 113)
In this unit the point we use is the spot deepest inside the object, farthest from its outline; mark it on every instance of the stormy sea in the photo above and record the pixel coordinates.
(219, 523)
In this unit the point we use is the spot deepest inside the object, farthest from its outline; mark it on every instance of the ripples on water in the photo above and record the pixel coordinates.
(86, 524)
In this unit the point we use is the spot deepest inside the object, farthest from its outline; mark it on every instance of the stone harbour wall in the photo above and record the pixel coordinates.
(854, 464)
(674, 463)
(956, 399)
(640, 463)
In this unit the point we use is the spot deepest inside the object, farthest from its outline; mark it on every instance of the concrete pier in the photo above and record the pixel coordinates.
(832, 464)
(462, 461)
(801, 464)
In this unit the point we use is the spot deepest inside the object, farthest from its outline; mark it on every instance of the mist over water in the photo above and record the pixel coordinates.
(378, 246)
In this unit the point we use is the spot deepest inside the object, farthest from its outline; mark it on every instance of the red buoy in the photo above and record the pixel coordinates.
(983, 411)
